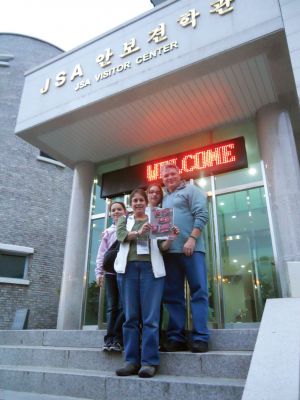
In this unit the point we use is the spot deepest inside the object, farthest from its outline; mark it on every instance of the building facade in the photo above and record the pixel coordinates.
(212, 86)
(34, 199)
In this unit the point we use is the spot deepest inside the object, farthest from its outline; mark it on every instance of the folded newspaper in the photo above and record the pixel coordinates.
(162, 221)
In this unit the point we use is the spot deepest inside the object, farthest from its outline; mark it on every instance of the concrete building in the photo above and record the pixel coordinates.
(214, 87)
(34, 199)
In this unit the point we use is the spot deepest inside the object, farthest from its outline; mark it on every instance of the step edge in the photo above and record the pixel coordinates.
(111, 375)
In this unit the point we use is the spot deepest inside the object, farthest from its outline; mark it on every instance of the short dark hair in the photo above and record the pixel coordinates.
(139, 191)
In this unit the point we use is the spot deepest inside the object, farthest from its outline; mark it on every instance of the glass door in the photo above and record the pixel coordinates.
(211, 259)
(92, 290)
(247, 276)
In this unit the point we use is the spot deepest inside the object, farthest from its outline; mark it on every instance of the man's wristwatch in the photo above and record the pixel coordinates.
(194, 237)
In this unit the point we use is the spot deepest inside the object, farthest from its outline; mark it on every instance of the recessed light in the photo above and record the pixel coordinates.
(252, 171)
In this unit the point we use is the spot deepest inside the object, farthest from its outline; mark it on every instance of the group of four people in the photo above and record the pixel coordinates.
(149, 271)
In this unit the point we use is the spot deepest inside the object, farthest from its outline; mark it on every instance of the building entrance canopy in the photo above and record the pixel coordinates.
(183, 67)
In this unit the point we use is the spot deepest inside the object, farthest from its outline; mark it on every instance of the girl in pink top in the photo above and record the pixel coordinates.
(114, 310)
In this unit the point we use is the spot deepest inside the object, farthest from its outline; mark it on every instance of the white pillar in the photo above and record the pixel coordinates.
(73, 286)
(279, 154)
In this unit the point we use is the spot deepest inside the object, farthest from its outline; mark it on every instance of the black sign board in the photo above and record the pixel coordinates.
(214, 159)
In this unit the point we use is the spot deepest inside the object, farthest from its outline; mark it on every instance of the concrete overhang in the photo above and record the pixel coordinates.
(220, 71)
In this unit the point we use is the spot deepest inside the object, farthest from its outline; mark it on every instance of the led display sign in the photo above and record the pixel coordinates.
(214, 159)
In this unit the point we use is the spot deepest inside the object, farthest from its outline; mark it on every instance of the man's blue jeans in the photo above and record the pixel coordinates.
(178, 266)
(141, 296)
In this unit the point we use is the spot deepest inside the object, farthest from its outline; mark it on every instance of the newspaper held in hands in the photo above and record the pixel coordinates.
(162, 221)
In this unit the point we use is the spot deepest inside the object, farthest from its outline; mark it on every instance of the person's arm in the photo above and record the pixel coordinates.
(99, 272)
(198, 207)
(124, 235)
(121, 229)
(164, 245)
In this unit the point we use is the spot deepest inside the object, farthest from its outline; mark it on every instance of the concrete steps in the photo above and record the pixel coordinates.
(70, 363)
(215, 363)
(13, 395)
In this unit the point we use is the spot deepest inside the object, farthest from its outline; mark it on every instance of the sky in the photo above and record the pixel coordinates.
(67, 24)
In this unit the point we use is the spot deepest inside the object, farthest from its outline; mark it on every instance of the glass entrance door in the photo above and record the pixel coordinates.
(247, 269)
(239, 258)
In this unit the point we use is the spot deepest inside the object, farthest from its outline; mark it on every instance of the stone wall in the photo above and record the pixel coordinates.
(34, 195)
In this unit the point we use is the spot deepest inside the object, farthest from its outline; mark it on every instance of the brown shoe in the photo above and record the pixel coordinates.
(147, 371)
(128, 369)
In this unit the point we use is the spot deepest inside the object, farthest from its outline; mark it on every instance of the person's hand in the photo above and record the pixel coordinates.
(100, 280)
(144, 229)
(189, 246)
(174, 232)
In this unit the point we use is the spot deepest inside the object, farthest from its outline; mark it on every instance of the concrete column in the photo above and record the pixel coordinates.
(279, 155)
(74, 275)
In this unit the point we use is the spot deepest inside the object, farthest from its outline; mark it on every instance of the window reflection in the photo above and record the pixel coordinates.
(98, 204)
(247, 256)
(92, 298)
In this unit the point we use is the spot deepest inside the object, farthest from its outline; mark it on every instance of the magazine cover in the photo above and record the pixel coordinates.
(161, 220)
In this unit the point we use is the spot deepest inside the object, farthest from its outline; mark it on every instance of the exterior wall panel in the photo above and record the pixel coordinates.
(291, 15)
(34, 196)
(249, 22)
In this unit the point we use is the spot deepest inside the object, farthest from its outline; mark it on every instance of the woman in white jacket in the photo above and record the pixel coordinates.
(141, 273)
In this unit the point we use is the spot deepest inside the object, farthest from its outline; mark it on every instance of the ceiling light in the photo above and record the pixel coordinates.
(202, 182)
(252, 171)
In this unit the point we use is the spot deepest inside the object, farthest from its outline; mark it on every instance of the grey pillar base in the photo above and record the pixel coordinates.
(70, 312)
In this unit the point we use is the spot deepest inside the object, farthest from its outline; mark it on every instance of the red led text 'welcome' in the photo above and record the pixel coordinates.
(217, 158)
(198, 160)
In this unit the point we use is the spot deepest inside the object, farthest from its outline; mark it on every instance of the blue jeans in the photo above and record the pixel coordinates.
(141, 296)
(114, 309)
(178, 266)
